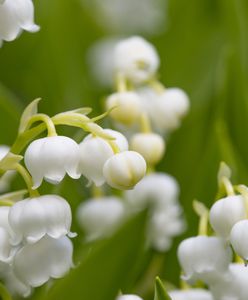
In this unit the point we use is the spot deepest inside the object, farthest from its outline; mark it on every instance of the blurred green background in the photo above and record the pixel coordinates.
(203, 49)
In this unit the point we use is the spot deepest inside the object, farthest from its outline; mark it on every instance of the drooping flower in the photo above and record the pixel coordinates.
(101, 216)
(136, 59)
(6, 178)
(51, 158)
(15, 16)
(225, 213)
(129, 297)
(239, 238)
(95, 151)
(126, 107)
(34, 264)
(204, 258)
(124, 170)
(150, 145)
(32, 219)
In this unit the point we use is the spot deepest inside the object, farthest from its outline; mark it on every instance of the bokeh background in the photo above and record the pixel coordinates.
(203, 45)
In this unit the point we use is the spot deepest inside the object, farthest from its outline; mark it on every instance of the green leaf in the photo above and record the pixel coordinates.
(160, 292)
(29, 111)
(106, 269)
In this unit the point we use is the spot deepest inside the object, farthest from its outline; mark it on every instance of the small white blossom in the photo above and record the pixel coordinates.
(164, 225)
(15, 16)
(126, 107)
(95, 151)
(136, 59)
(35, 264)
(225, 213)
(51, 158)
(191, 294)
(124, 170)
(231, 285)
(128, 297)
(239, 238)
(204, 258)
(31, 219)
(158, 190)
(99, 217)
(5, 246)
(150, 145)
(166, 109)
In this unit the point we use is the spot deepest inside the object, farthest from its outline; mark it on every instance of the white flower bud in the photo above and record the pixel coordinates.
(100, 217)
(225, 213)
(158, 190)
(191, 294)
(95, 151)
(16, 15)
(48, 258)
(126, 107)
(150, 145)
(124, 170)
(31, 219)
(204, 258)
(128, 297)
(136, 59)
(51, 158)
(239, 239)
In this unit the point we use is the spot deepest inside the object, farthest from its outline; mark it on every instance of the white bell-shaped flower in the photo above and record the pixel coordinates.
(31, 219)
(95, 151)
(14, 285)
(204, 258)
(191, 294)
(150, 145)
(126, 107)
(164, 225)
(239, 238)
(124, 170)
(165, 109)
(51, 158)
(231, 285)
(158, 190)
(35, 264)
(99, 217)
(225, 213)
(6, 252)
(136, 59)
(15, 16)
(128, 297)
(5, 179)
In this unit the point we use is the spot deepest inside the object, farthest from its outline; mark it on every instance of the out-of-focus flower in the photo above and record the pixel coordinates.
(51, 158)
(239, 238)
(15, 16)
(191, 294)
(136, 59)
(150, 145)
(129, 297)
(126, 107)
(99, 217)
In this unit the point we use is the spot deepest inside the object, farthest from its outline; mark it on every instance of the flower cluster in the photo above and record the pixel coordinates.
(16, 16)
(210, 259)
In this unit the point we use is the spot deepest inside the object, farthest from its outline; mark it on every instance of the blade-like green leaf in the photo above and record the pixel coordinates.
(107, 267)
(160, 292)
(29, 111)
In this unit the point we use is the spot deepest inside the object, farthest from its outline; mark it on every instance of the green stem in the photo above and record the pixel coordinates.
(47, 120)
(228, 186)
(121, 83)
(28, 180)
(145, 124)
(4, 293)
